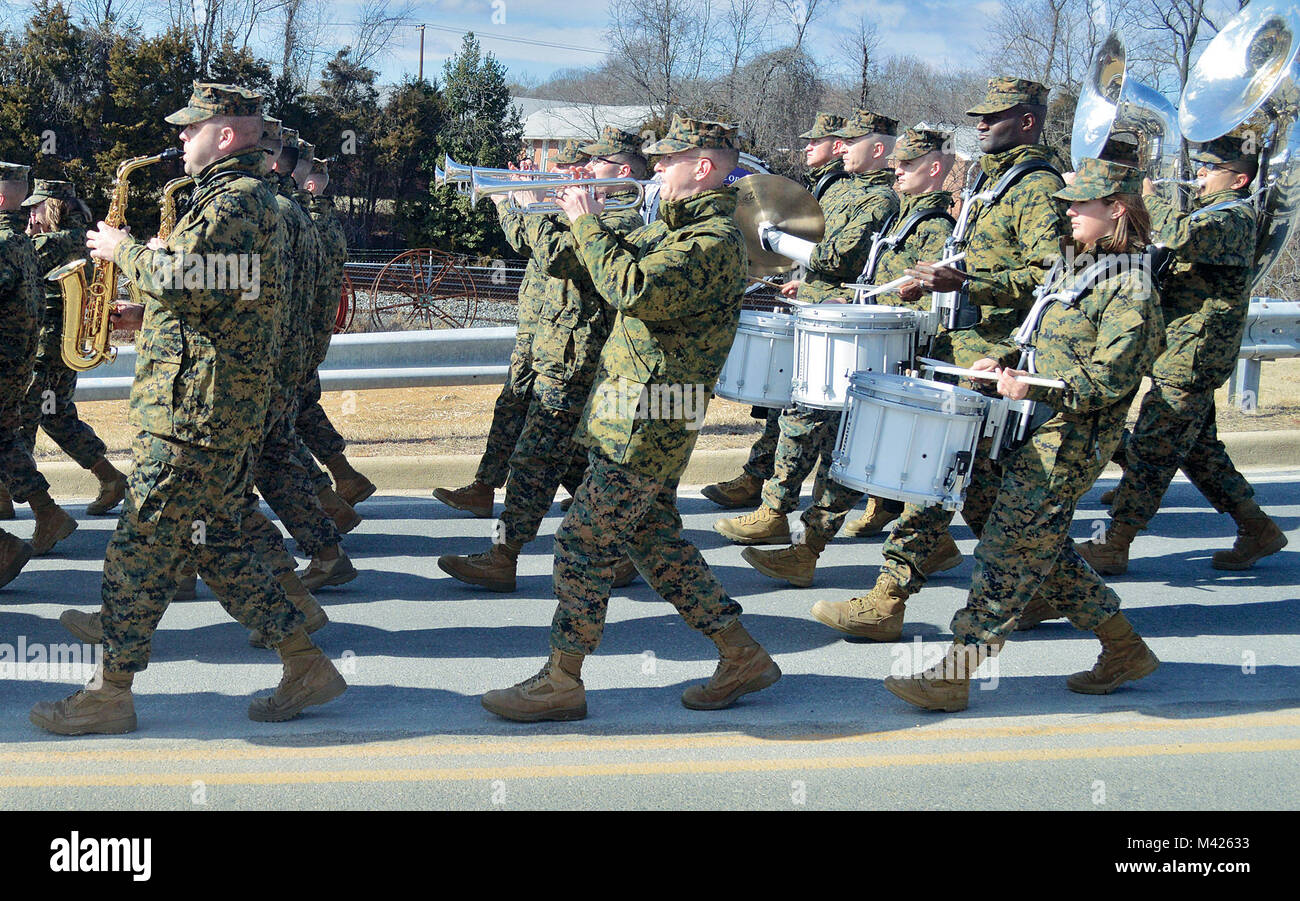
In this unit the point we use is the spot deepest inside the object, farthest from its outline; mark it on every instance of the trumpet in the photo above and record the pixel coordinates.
(1179, 182)
(460, 175)
(483, 184)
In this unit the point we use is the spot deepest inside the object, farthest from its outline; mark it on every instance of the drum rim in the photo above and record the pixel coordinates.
(968, 402)
(856, 312)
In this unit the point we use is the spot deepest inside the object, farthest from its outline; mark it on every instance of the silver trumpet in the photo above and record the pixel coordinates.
(1180, 182)
(485, 182)
(460, 175)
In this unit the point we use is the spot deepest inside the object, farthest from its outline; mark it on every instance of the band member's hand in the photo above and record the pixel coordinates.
(987, 364)
(1009, 387)
(1148, 187)
(790, 289)
(836, 300)
(911, 292)
(937, 278)
(156, 243)
(104, 240)
(575, 202)
(127, 317)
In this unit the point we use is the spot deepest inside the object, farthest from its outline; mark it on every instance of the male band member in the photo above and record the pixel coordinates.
(21, 303)
(1206, 295)
(314, 428)
(200, 400)
(832, 188)
(921, 161)
(512, 403)
(808, 434)
(571, 330)
(57, 221)
(1011, 242)
(677, 284)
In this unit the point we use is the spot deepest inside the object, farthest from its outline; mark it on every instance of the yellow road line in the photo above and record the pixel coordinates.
(647, 768)
(568, 744)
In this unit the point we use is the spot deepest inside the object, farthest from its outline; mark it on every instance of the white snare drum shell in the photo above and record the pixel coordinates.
(833, 341)
(760, 365)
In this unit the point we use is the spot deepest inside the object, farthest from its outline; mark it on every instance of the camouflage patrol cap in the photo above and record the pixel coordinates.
(13, 172)
(209, 99)
(289, 135)
(1225, 151)
(306, 149)
(321, 167)
(1005, 92)
(570, 154)
(271, 134)
(49, 189)
(1096, 179)
(825, 127)
(613, 140)
(917, 142)
(689, 134)
(1122, 147)
(865, 122)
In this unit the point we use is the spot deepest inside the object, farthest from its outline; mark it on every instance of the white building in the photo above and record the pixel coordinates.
(549, 123)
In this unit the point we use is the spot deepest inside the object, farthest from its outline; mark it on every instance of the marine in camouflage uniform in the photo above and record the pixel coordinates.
(21, 303)
(1010, 247)
(49, 402)
(1206, 292)
(856, 207)
(916, 149)
(511, 408)
(677, 285)
(199, 398)
(1101, 344)
(571, 330)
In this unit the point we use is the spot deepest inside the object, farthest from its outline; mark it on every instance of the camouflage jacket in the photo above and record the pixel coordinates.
(334, 253)
(53, 249)
(532, 290)
(924, 243)
(204, 355)
(298, 334)
(1010, 248)
(677, 285)
(20, 301)
(574, 320)
(1205, 290)
(856, 208)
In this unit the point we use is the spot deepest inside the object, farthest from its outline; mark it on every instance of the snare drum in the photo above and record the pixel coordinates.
(909, 439)
(761, 362)
(833, 341)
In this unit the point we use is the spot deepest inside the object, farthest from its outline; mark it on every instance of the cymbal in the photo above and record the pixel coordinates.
(787, 205)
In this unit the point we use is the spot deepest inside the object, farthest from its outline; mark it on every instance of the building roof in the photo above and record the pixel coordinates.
(562, 119)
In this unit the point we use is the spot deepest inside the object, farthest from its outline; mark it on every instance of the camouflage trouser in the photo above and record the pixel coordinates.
(280, 476)
(807, 440)
(1024, 545)
(508, 415)
(182, 505)
(18, 471)
(617, 510)
(1176, 429)
(316, 433)
(762, 456)
(544, 457)
(49, 405)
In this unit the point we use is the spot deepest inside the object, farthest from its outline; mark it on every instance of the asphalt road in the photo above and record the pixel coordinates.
(1217, 726)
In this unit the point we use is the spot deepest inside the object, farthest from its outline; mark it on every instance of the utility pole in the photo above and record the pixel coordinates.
(421, 27)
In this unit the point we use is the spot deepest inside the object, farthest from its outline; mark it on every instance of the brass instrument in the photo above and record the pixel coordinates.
(86, 307)
(483, 185)
(167, 205)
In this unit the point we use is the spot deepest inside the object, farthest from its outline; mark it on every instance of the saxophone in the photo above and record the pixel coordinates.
(167, 205)
(86, 307)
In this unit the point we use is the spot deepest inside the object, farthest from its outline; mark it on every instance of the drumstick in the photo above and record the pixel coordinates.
(904, 279)
(947, 369)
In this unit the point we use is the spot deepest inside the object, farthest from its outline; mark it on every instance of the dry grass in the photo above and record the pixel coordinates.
(435, 421)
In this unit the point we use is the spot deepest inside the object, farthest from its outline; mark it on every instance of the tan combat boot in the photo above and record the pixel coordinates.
(872, 521)
(555, 693)
(336, 508)
(112, 488)
(309, 679)
(795, 564)
(743, 667)
(14, 554)
(625, 572)
(85, 626)
(742, 491)
(301, 598)
(107, 710)
(351, 485)
(6, 504)
(53, 524)
(187, 586)
(1124, 658)
(494, 569)
(1109, 557)
(1035, 614)
(877, 615)
(1257, 536)
(321, 571)
(944, 557)
(763, 526)
(476, 497)
(946, 685)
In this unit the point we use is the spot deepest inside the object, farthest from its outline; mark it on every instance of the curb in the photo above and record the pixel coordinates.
(416, 474)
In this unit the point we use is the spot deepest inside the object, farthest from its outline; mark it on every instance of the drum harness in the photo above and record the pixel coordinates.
(884, 239)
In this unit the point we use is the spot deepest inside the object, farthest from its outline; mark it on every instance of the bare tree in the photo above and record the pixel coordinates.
(801, 13)
(376, 22)
(858, 48)
(660, 47)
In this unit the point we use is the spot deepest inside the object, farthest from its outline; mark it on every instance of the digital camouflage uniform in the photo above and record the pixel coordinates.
(49, 402)
(200, 397)
(1206, 295)
(1101, 349)
(677, 284)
